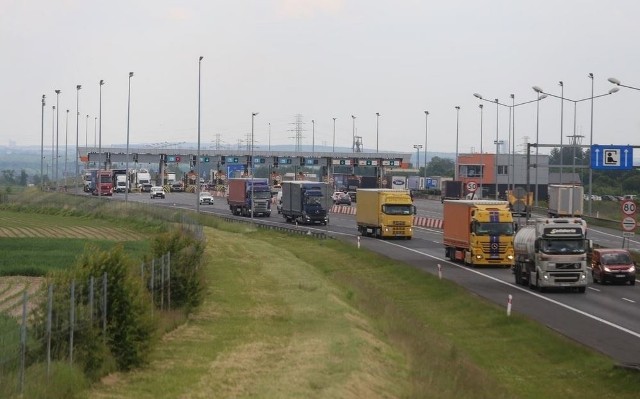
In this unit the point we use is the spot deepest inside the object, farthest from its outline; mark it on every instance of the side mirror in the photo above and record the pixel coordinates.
(415, 210)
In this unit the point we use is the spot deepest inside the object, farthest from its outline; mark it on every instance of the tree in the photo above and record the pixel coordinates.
(440, 167)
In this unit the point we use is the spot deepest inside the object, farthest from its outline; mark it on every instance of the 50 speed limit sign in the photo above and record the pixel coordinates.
(628, 208)
(472, 186)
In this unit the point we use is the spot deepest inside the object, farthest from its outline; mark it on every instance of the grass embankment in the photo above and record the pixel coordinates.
(295, 317)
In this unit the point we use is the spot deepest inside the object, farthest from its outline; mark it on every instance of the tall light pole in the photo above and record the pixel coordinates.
(418, 147)
(75, 183)
(66, 145)
(334, 135)
(198, 155)
(313, 136)
(378, 130)
(53, 138)
(95, 132)
(561, 128)
(455, 172)
(253, 117)
(497, 145)
(42, 146)
(591, 145)
(57, 135)
(86, 132)
(126, 189)
(538, 91)
(100, 138)
(481, 151)
(426, 140)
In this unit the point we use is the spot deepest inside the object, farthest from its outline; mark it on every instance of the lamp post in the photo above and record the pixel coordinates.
(100, 137)
(481, 151)
(95, 132)
(313, 136)
(591, 145)
(418, 147)
(53, 138)
(575, 102)
(497, 144)
(198, 152)
(561, 128)
(86, 132)
(57, 135)
(353, 134)
(126, 188)
(618, 83)
(253, 117)
(455, 172)
(66, 145)
(426, 139)
(42, 146)
(334, 135)
(378, 131)
(75, 183)
(538, 91)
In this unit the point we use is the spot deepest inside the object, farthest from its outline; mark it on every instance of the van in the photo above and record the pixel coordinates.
(613, 265)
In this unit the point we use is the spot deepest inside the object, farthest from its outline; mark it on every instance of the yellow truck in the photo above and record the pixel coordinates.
(478, 232)
(385, 213)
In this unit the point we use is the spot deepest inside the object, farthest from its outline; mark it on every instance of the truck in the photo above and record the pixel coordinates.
(248, 196)
(385, 213)
(478, 232)
(140, 179)
(520, 201)
(452, 190)
(305, 201)
(119, 180)
(89, 179)
(565, 200)
(552, 252)
(103, 183)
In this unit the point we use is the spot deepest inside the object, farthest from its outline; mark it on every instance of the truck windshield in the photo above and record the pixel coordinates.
(493, 229)
(105, 179)
(261, 194)
(562, 246)
(314, 200)
(397, 209)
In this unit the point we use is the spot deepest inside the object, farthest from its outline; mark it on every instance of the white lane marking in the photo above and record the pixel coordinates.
(628, 300)
(526, 291)
(593, 289)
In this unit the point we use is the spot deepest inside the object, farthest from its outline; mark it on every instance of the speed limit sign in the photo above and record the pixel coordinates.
(472, 186)
(628, 207)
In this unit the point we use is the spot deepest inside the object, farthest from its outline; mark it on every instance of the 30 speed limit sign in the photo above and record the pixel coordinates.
(628, 208)
(472, 186)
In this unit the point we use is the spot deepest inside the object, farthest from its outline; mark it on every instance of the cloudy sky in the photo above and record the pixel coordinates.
(322, 59)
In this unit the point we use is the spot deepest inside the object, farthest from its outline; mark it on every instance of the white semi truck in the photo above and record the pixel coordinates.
(552, 252)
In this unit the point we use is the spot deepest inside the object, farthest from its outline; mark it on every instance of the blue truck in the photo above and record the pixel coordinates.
(248, 196)
(305, 202)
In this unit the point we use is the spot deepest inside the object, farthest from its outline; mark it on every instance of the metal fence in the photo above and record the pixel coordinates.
(30, 322)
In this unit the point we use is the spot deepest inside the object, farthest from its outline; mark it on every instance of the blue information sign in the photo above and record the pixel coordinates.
(611, 157)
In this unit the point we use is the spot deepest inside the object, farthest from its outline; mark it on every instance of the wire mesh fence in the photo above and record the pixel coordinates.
(42, 326)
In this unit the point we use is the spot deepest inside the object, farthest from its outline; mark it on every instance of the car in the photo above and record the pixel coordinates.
(613, 265)
(352, 194)
(206, 198)
(336, 194)
(177, 187)
(156, 192)
(343, 199)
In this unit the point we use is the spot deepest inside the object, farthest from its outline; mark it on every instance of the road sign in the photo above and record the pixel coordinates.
(628, 234)
(628, 207)
(472, 186)
(628, 224)
(611, 157)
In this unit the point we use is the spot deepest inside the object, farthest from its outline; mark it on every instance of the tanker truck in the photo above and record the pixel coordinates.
(552, 252)
(478, 232)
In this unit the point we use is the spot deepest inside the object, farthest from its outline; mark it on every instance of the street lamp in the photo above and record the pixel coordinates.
(538, 92)
(42, 146)
(75, 183)
(353, 134)
(198, 156)
(100, 138)
(591, 145)
(126, 188)
(561, 127)
(57, 134)
(53, 134)
(617, 82)
(426, 138)
(95, 132)
(497, 144)
(313, 136)
(86, 132)
(377, 130)
(253, 116)
(575, 102)
(418, 147)
(66, 145)
(334, 134)
(481, 151)
(455, 172)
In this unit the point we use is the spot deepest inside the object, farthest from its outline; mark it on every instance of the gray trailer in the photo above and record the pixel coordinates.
(305, 201)
(565, 200)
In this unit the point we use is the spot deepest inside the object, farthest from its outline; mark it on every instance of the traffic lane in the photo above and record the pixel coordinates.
(610, 238)
(615, 340)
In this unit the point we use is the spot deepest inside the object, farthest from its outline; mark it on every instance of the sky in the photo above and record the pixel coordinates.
(321, 59)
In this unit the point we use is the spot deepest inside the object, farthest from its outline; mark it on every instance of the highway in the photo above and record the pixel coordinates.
(605, 318)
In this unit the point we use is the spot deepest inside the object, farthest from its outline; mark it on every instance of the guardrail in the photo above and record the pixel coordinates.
(286, 229)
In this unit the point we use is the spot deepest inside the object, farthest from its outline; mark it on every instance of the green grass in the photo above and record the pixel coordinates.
(37, 256)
